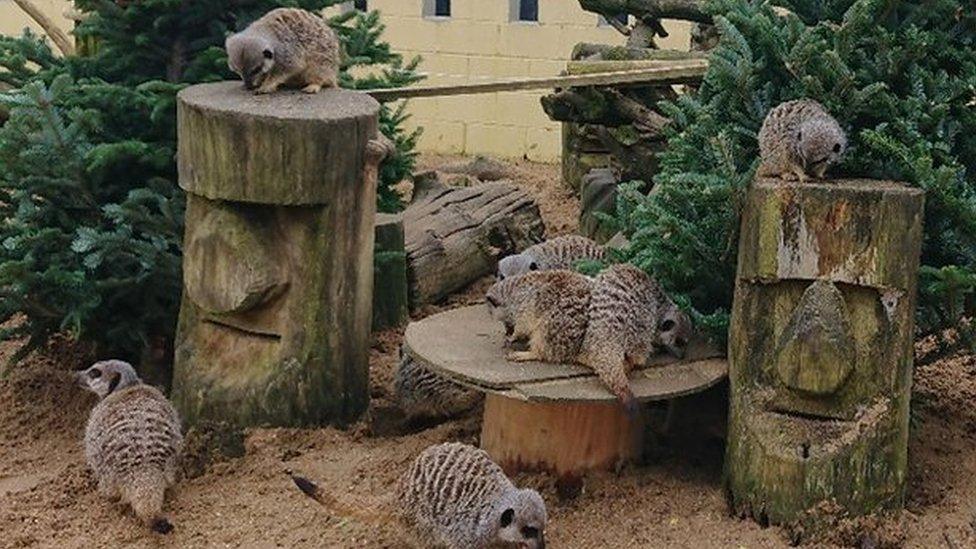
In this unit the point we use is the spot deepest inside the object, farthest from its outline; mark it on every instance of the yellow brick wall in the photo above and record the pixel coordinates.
(479, 43)
(13, 19)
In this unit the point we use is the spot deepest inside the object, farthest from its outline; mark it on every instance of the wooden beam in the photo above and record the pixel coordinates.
(684, 72)
(51, 28)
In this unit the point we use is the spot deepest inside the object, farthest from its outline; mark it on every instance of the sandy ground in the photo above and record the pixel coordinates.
(674, 499)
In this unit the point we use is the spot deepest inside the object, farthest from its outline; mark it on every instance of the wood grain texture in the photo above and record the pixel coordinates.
(455, 235)
(820, 347)
(563, 438)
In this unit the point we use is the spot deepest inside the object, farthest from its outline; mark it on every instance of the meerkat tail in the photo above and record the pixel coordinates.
(145, 493)
(612, 372)
(332, 503)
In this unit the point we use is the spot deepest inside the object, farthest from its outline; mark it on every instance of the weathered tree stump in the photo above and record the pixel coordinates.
(820, 347)
(455, 235)
(390, 304)
(278, 263)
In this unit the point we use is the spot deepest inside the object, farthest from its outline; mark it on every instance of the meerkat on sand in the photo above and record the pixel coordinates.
(800, 139)
(454, 496)
(132, 440)
(286, 47)
(562, 252)
(629, 316)
(423, 393)
(549, 308)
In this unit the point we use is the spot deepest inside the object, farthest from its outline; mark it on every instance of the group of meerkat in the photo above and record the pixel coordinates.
(610, 323)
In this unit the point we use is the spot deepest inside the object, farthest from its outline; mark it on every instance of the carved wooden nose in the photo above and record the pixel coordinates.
(815, 354)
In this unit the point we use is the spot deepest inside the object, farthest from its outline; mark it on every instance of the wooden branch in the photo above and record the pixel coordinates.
(689, 10)
(683, 72)
(57, 35)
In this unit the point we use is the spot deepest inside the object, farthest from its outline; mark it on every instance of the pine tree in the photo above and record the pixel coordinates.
(88, 187)
(899, 76)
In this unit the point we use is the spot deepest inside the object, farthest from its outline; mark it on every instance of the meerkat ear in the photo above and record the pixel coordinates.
(114, 382)
(268, 54)
(491, 300)
(507, 517)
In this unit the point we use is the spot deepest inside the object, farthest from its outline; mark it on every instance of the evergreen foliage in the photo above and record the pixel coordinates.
(92, 213)
(899, 75)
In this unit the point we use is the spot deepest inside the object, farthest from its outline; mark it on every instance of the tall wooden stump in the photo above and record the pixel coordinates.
(820, 347)
(278, 255)
(391, 306)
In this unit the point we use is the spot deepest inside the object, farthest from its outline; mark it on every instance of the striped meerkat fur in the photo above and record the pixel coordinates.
(423, 393)
(562, 252)
(132, 440)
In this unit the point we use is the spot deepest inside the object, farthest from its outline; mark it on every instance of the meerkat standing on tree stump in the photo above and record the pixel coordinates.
(562, 252)
(132, 440)
(286, 47)
(800, 139)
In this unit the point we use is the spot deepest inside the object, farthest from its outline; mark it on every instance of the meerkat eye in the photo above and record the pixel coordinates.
(530, 532)
(667, 325)
(94, 374)
(836, 147)
(268, 54)
(507, 517)
(533, 266)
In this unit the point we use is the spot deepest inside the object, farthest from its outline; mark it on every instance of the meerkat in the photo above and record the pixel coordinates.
(549, 308)
(454, 496)
(132, 440)
(610, 324)
(800, 139)
(562, 252)
(629, 316)
(286, 47)
(422, 393)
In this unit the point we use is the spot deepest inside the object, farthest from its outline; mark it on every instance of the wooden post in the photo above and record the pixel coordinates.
(820, 347)
(278, 255)
(390, 304)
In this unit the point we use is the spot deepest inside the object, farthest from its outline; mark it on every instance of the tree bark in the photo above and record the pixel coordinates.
(689, 10)
(455, 236)
(51, 28)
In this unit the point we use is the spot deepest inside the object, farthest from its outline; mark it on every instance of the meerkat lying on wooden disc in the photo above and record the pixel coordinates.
(423, 393)
(455, 497)
(609, 324)
(562, 252)
(629, 316)
(799, 139)
(132, 440)
(548, 308)
(286, 47)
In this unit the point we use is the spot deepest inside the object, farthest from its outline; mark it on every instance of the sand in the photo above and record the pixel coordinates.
(674, 499)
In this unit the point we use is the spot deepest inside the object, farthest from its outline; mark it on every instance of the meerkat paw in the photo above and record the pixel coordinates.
(312, 88)
(264, 90)
(521, 356)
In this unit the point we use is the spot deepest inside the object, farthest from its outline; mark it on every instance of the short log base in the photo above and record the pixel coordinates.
(564, 438)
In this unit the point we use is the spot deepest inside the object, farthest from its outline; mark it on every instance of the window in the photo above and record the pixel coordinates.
(525, 10)
(437, 8)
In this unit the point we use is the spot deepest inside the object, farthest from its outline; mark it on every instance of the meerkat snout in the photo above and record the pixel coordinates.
(821, 144)
(522, 520)
(674, 332)
(107, 376)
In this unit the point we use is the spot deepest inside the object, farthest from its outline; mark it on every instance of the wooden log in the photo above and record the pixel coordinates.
(455, 236)
(821, 347)
(552, 440)
(688, 10)
(582, 152)
(281, 197)
(390, 303)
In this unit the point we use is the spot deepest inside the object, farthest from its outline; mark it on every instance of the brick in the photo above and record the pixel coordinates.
(520, 109)
(533, 41)
(495, 140)
(543, 144)
(466, 37)
(442, 137)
